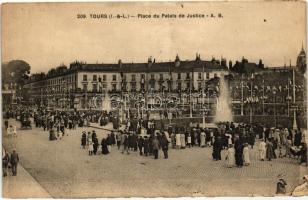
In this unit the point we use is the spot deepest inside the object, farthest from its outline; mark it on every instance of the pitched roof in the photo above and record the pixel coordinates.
(100, 67)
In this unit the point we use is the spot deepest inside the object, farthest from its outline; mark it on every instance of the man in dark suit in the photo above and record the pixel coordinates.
(145, 146)
(14, 162)
(140, 144)
(156, 147)
(164, 145)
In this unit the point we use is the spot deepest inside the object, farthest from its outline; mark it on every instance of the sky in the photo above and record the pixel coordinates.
(48, 34)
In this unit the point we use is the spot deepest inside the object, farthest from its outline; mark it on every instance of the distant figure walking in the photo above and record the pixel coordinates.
(262, 150)
(246, 155)
(14, 162)
(156, 147)
(83, 139)
(230, 158)
(5, 162)
(269, 150)
(238, 152)
(90, 148)
(14, 131)
(178, 140)
(217, 147)
(10, 131)
(164, 145)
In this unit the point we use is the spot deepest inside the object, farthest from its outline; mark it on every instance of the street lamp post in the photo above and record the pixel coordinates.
(294, 102)
(41, 90)
(288, 104)
(263, 98)
(203, 107)
(274, 92)
(252, 99)
(242, 95)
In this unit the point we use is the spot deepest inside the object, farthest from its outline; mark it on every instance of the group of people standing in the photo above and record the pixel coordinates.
(9, 161)
(90, 141)
(274, 143)
(147, 145)
(127, 142)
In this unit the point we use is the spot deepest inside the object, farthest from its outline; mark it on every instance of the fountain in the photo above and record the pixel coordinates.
(223, 111)
(106, 104)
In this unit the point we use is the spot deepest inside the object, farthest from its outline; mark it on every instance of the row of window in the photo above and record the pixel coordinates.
(96, 87)
(99, 78)
(133, 77)
(59, 81)
(100, 87)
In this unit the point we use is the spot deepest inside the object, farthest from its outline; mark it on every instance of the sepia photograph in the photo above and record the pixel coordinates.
(154, 99)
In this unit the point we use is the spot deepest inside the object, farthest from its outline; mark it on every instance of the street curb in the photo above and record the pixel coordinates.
(41, 189)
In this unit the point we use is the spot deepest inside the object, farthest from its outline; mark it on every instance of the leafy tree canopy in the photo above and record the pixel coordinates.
(15, 71)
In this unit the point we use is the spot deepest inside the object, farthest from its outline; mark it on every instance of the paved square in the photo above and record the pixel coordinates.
(65, 170)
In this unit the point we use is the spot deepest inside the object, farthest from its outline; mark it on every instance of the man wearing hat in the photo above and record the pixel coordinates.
(83, 139)
(14, 162)
(281, 185)
(146, 146)
(140, 142)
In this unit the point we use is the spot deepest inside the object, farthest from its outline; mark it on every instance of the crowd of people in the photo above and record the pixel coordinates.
(126, 142)
(142, 136)
(237, 139)
(274, 143)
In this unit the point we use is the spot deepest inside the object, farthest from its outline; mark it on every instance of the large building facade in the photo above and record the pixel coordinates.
(81, 84)
(190, 86)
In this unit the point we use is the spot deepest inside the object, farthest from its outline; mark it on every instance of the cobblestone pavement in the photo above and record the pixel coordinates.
(22, 186)
(64, 169)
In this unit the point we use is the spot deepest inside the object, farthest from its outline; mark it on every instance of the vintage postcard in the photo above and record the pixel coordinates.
(154, 99)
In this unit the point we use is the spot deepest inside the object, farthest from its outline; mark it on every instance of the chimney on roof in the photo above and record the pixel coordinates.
(177, 61)
(230, 64)
(223, 62)
(120, 63)
(150, 62)
(290, 63)
(198, 57)
(261, 65)
(244, 60)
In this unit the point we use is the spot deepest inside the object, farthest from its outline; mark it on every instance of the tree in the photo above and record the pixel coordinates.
(15, 71)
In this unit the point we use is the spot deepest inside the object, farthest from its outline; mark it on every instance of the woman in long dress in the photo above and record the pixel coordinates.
(230, 158)
(83, 139)
(173, 140)
(183, 142)
(202, 139)
(269, 150)
(246, 155)
(189, 139)
(178, 140)
(90, 147)
(262, 150)
(105, 147)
